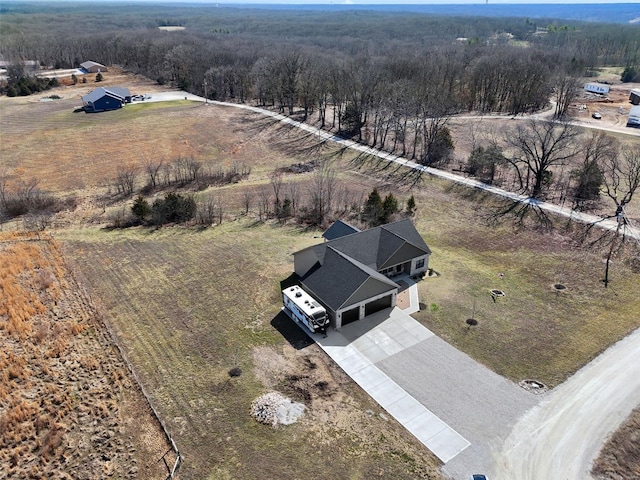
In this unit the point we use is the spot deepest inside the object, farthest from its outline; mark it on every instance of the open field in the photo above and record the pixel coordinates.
(188, 304)
(69, 407)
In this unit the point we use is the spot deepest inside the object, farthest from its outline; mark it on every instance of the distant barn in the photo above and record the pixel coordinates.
(93, 67)
(103, 99)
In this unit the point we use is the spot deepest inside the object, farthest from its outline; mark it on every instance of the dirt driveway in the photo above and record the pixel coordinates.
(560, 437)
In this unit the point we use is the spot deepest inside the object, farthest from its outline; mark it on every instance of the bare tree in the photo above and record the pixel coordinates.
(539, 146)
(126, 180)
(293, 193)
(153, 171)
(621, 180)
(565, 91)
(622, 175)
(193, 168)
(276, 184)
(322, 187)
(3, 188)
(597, 149)
(264, 204)
(247, 199)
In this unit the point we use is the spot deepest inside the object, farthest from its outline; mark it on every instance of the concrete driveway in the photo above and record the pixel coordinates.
(459, 409)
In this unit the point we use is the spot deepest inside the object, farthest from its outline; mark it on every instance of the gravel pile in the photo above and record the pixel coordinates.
(273, 408)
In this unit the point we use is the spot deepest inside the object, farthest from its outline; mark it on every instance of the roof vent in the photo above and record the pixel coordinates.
(298, 294)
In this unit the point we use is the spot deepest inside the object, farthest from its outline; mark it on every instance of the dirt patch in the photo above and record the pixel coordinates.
(69, 407)
(403, 300)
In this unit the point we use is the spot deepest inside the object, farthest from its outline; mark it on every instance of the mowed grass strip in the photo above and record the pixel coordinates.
(184, 304)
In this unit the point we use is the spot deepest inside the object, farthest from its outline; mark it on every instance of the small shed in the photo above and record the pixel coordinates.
(595, 87)
(103, 99)
(93, 67)
(634, 97)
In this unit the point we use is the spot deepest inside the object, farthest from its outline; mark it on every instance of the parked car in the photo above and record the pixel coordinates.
(478, 476)
(596, 115)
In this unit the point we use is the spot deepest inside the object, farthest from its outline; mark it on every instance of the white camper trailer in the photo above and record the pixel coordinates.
(595, 87)
(304, 309)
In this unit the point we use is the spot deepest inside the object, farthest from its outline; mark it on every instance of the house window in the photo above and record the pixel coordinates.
(420, 263)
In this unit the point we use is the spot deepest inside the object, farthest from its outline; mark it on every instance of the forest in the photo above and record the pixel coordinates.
(391, 80)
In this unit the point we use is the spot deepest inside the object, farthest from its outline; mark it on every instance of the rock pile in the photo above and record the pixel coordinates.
(273, 408)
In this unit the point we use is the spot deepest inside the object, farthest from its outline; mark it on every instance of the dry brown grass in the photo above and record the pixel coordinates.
(620, 457)
(55, 397)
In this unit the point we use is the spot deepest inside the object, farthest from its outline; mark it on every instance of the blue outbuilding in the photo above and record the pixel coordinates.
(103, 99)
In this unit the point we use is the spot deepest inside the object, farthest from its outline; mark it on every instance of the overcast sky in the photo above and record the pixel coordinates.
(364, 2)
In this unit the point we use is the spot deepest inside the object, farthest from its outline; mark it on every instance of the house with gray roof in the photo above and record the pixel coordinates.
(93, 67)
(351, 274)
(102, 99)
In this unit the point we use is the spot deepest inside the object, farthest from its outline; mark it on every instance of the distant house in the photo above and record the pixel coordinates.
(103, 99)
(594, 87)
(634, 97)
(93, 67)
(350, 275)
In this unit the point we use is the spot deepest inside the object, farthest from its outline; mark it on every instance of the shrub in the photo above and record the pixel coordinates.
(174, 208)
(141, 208)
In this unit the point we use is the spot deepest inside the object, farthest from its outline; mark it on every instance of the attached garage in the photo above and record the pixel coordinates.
(349, 273)
(352, 315)
(377, 305)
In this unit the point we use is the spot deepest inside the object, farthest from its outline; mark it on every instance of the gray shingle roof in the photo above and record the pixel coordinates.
(335, 280)
(376, 246)
(339, 229)
(347, 262)
(88, 64)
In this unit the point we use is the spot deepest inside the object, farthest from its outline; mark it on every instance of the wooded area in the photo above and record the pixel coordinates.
(385, 68)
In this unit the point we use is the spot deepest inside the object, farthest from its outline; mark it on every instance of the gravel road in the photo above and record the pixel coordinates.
(560, 437)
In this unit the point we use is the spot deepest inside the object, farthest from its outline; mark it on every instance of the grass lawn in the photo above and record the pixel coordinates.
(535, 331)
(185, 305)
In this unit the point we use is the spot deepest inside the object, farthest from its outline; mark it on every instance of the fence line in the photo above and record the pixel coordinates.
(99, 317)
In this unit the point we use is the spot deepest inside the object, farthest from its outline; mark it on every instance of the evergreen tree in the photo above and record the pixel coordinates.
(411, 205)
(141, 208)
(389, 207)
(373, 209)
